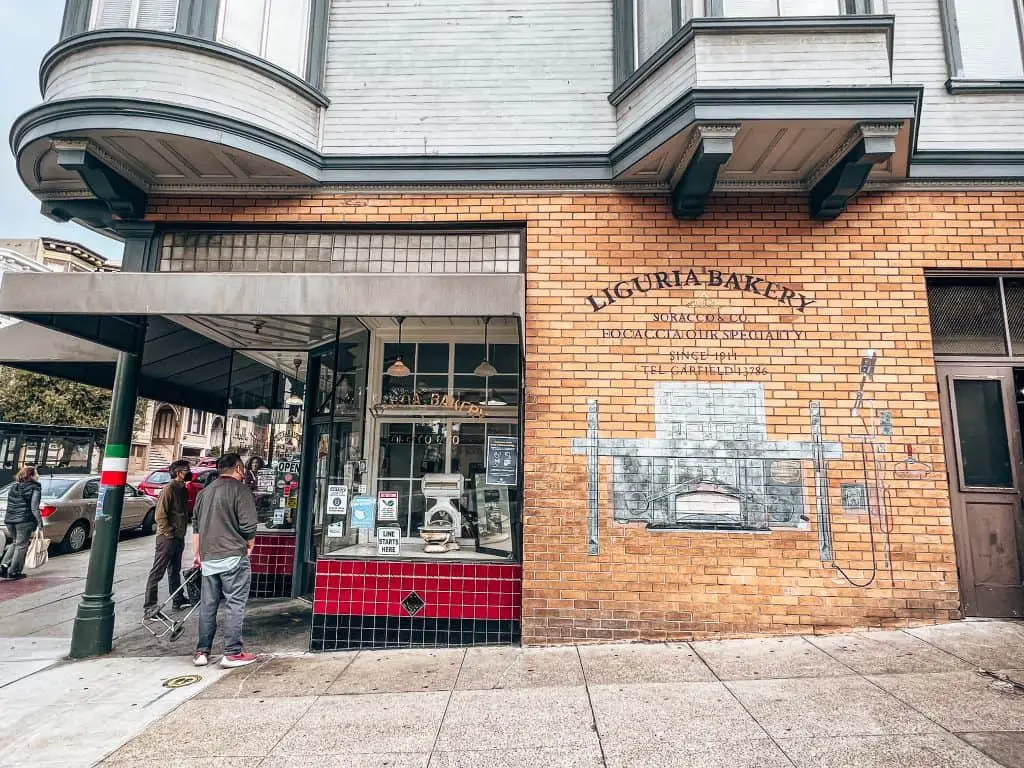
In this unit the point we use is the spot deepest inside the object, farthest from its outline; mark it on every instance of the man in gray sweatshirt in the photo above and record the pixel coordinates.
(224, 525)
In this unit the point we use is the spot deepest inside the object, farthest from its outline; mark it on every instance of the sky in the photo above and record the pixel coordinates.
(29, 28)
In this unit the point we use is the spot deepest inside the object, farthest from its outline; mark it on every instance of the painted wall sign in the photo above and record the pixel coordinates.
(362, 513)
(502, 460)
(689, 278)
(389, 541)
(387, 506)
(337, 499)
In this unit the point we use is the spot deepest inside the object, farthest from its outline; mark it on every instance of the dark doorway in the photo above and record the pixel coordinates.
(981, 414)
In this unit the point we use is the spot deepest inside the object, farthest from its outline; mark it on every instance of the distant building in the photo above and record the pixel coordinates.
(58, 255)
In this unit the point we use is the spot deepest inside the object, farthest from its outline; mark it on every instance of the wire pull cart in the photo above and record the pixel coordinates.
(159, 623)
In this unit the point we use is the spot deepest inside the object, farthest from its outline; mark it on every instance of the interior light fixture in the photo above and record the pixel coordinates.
(398, 368)
(492, 400)
(293, 400)
(485, 368)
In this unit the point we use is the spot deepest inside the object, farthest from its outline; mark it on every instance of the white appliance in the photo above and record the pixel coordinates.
(444, 490)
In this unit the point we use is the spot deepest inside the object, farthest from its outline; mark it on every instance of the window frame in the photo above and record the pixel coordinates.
(961, 82)
(304, 64)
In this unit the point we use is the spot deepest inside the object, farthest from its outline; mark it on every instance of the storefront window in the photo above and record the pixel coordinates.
(340, 474)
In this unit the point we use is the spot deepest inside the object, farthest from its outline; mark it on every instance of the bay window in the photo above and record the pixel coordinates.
(275, 30)
(652, 22)
(160, 15)
(984, 39)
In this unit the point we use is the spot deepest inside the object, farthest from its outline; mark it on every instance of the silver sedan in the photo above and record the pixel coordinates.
(68, 509)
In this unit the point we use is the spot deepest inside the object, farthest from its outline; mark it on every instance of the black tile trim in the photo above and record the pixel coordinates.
(270, 585)
(344, 632)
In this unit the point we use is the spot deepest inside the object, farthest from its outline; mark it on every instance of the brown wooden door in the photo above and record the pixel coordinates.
(984, 461)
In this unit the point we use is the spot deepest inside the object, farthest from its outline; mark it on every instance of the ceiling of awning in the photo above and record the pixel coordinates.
(179, 365)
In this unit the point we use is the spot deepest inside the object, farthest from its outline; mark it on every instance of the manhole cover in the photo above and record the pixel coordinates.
(413, 603)
(181, 681)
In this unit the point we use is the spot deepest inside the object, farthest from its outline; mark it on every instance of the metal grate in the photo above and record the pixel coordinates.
(966, 316)
(373, 252)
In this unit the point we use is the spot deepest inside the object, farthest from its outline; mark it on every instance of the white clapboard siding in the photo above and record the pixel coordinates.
(757, 61)
(974, 121)
(189, 79)
(781, 61)
(673, 79)
(473, 76)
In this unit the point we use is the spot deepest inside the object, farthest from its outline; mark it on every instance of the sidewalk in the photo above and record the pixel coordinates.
(901, 699)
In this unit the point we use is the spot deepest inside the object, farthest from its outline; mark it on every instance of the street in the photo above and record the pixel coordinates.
(948, 695)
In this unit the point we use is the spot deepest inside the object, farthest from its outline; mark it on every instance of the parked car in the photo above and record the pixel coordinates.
(155, 482)
(68, 509)
(200, 479)
(205, 462)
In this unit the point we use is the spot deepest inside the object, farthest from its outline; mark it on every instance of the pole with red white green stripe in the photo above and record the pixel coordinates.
(93, 631)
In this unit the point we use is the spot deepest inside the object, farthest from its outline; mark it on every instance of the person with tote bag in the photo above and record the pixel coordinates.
(23, 520)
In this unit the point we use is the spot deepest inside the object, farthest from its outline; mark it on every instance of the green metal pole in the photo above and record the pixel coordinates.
(93, 633)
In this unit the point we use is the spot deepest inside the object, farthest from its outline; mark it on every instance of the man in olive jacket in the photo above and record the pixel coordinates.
(224, 531)
(171, 526)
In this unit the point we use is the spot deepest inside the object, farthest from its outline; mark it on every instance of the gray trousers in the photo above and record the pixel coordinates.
(233, 587)
(20, 535)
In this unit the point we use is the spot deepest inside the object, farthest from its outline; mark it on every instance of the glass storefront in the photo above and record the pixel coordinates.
(388, 454)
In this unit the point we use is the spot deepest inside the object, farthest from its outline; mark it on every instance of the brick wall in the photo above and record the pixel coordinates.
(864, 275)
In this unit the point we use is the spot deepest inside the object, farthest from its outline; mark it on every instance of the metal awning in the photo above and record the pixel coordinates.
(371, 295)
(177, 320)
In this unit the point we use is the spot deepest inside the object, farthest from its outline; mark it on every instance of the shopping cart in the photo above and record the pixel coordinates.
(159, 623)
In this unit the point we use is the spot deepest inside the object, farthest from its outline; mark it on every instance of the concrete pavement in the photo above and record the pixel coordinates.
(902, 699)
(899, 699)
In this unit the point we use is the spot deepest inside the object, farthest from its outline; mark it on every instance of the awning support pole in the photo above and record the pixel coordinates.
(93, 632)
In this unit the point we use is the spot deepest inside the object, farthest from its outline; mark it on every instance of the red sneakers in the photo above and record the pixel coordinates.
(237, 660)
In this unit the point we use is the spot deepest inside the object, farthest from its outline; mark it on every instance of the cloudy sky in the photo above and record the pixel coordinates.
(29, 28)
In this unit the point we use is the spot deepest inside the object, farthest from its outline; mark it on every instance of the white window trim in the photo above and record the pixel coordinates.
(265, 35)
(959, 82)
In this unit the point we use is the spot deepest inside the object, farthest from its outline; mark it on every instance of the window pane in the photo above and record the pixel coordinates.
(734, 8)
(989, 38)
(653, 26)
(966, 316)
(395, 450)
(428, 450)
(1014, 288)
(112, 13)
(981, 428)
(157, 14)
(810, 8)
(468, 357)
(287, 34)
(242, 24)
(432, 358)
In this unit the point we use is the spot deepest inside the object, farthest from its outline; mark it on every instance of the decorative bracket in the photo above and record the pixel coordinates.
(122, 196)
(710, 148)
(874, 143)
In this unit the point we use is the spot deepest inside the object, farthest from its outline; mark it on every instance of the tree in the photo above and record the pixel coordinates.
(33, 398)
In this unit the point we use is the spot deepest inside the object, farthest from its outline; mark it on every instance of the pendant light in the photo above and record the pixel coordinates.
(485, 368)
(398, 368)
(293, 400)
